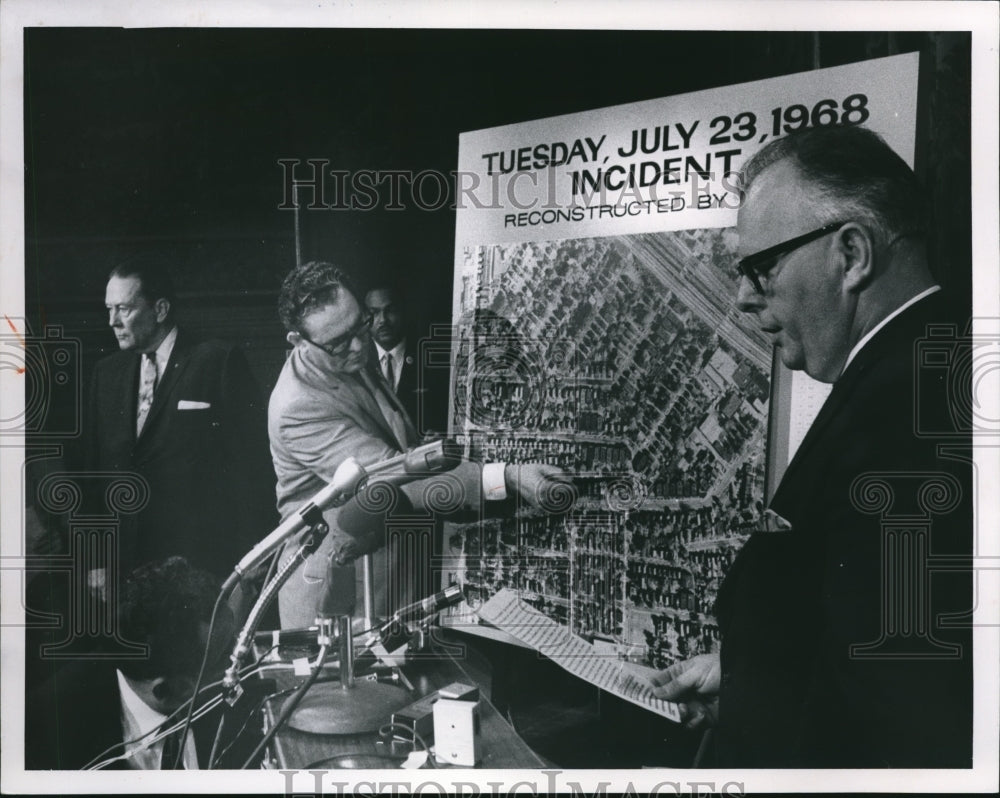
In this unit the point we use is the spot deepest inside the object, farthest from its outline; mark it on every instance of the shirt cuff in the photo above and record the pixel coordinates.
(494, 484)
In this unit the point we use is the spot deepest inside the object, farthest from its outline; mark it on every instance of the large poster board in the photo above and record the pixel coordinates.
(594, 300)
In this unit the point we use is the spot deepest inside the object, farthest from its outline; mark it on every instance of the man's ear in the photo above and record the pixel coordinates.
(293, 338)
(856, 247)
(172, 691)
(159, 688)
(162, 308)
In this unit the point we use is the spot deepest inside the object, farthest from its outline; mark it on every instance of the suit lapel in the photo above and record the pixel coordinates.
(834, 402)
(372, 385)
(367, 402)
(161, 398)
(408, 430)
(128, 390)
(909, 325)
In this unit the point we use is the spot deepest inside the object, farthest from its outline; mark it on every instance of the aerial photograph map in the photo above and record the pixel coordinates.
(624, 360)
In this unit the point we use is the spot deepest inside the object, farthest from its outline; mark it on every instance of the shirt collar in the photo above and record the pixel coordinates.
(398, 352)
(871, 333)
(164, 350)
(139, 717)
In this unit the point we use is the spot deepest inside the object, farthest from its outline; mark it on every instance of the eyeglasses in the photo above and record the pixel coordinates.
(755, 266)
(339, 345)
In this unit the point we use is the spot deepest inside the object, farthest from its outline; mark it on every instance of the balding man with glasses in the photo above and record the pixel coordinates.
(845, 640)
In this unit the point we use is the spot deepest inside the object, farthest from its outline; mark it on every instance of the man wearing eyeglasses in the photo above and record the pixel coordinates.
(331, 402)
(838, 649)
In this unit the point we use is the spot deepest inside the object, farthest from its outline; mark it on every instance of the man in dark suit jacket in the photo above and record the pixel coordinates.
(201, 443)
(421, 390)
(841, 645)
(91, 710)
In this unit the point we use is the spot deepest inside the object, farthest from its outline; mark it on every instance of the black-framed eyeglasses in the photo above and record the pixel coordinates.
(339, 345)
(755, 266)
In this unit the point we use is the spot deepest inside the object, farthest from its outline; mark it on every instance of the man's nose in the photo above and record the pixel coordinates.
(357, 344)
(113, 318)
(747, 297)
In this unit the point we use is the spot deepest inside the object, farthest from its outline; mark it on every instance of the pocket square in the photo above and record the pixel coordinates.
(188, 404)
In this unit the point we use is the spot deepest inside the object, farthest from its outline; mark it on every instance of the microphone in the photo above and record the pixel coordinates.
(430, 458)
(423, 461)
(365, 525)
(426, 606)
(338, 593)
(393, 634)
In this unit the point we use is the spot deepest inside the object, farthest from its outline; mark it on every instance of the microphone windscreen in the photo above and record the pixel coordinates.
(363, 518)
(338, 592)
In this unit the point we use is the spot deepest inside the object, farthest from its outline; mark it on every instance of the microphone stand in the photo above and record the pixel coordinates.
(348, 478)
(356, 706)
(353, 707)
(317, 530)
(296, 698)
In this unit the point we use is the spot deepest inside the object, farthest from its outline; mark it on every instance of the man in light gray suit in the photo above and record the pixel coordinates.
(330, 403)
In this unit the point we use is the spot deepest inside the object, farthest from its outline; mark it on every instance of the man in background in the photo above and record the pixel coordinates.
(96, 710)
(826, 659)
(185, 415)
(421, 390)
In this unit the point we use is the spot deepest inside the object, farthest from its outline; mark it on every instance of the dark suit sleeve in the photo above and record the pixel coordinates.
(896, 689)
(246, 453)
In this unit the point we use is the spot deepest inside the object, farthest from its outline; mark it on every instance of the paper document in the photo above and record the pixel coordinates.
(571, 652)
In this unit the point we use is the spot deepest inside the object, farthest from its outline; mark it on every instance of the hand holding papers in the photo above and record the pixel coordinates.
(572, 653)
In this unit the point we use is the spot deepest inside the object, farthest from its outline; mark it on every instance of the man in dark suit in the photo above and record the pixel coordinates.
(421, 391)
(185, 415)
(92, 710)
(843, 644)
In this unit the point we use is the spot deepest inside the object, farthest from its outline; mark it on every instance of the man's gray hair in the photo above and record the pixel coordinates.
(857, 177)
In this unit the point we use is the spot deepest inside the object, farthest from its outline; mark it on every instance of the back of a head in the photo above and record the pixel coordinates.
(308, 286)
(856, 176)
(166, 605)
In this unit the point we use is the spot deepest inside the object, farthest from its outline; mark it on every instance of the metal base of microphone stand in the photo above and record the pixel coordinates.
(332, 709)
(349, 707)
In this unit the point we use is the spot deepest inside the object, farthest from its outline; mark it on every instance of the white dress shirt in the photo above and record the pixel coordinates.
(163, 352)
(871, 333)
(137, 719)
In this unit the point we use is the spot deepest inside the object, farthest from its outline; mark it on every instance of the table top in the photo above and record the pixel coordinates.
(499, 744)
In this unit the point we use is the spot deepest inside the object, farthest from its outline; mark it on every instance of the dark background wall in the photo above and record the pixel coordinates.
(168, 141)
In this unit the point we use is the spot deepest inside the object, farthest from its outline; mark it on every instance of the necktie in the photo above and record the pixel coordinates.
(147, 383)
(171, 747)
(390, 375)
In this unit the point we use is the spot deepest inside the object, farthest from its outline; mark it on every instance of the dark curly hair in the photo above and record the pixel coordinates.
(308, 286)
(163, 605)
